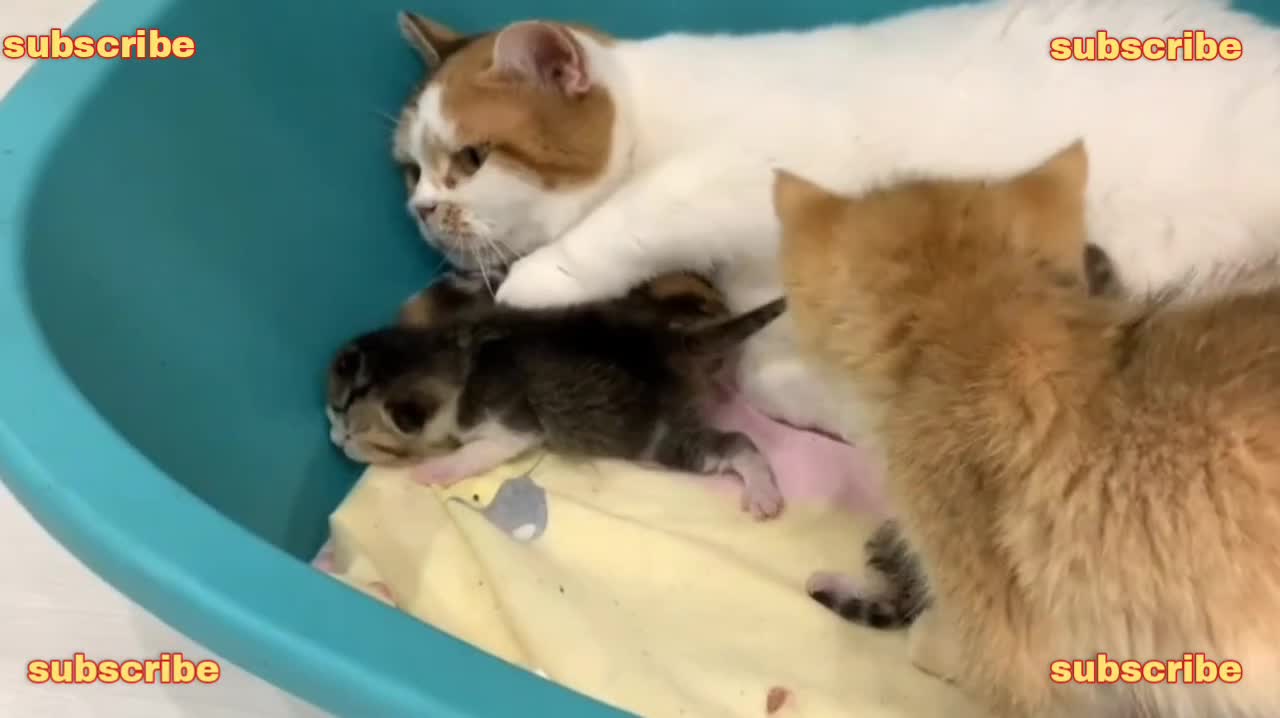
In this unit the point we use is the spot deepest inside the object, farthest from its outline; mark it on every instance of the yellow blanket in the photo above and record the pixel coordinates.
(639, 587)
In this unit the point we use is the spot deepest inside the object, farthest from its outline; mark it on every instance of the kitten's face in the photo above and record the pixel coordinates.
(392, 396)
(509, 142)
(864, 276)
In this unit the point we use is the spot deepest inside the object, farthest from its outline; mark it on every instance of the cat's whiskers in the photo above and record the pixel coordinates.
(484, 272)
(499, 254)
(386, 116)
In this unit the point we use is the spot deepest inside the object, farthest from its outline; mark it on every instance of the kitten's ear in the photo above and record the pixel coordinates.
(795, 197)
(1067, 170)
(348, 362)
(544, 53)
(429, 38)
(1050, 219)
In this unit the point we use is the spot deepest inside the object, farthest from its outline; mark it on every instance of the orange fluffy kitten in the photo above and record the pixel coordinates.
(1078, 474)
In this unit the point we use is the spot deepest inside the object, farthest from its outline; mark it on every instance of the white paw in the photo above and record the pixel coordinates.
(539, 281)
(762, 499)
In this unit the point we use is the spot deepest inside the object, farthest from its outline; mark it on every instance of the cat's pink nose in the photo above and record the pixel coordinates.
(426, 209)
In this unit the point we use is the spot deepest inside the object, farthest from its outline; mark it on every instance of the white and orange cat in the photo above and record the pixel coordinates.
(597, 162)
(1076, 474)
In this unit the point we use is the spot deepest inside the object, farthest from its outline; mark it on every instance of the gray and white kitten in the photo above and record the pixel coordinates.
(466, 393)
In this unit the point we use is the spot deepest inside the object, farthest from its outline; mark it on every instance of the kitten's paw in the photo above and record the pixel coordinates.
(763, 500)
(540, 280)
(438, 472)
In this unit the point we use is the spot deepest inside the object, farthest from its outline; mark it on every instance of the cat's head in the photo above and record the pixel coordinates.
(513, 136)
(392, 394)
(874, 281)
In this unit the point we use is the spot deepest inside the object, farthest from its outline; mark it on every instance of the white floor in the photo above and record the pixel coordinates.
(52, 607)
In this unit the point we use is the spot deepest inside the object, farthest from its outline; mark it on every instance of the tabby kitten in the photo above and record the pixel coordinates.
(1075, 474)
(462, 385)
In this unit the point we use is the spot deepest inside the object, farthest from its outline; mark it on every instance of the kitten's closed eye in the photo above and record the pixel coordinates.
(408, 415)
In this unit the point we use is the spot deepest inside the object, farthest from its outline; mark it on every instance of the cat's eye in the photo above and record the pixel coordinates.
(409, 416)
(471, 158)
(412, 173)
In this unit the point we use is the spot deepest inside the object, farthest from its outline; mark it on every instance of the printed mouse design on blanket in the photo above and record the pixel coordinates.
(519, 508)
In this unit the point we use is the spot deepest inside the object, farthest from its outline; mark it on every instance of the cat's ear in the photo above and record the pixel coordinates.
(432, 40)
(543, 53)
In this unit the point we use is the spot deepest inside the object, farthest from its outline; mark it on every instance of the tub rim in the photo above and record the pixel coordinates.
(123, 530)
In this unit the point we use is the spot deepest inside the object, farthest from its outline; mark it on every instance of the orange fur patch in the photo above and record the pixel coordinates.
(1077, 473)
(559, 141)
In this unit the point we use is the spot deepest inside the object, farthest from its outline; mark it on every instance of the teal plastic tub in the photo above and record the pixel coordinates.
(182, 245)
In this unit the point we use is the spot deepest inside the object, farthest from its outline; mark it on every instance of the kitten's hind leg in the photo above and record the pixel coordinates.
(708, 451)
(901, 600)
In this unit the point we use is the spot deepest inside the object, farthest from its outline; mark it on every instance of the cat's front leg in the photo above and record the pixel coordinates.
(550, 278)
(690, 213)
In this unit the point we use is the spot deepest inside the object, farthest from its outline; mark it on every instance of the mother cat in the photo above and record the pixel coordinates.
(601, 162)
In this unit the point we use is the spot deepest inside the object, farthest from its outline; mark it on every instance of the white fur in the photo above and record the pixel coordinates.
(1185, 156)
(504, 214)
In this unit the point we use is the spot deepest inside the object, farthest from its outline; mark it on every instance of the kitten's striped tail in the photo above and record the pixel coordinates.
(899, 604)
(886, 612)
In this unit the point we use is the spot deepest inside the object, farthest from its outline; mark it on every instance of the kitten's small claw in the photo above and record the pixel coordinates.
(764, 502)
